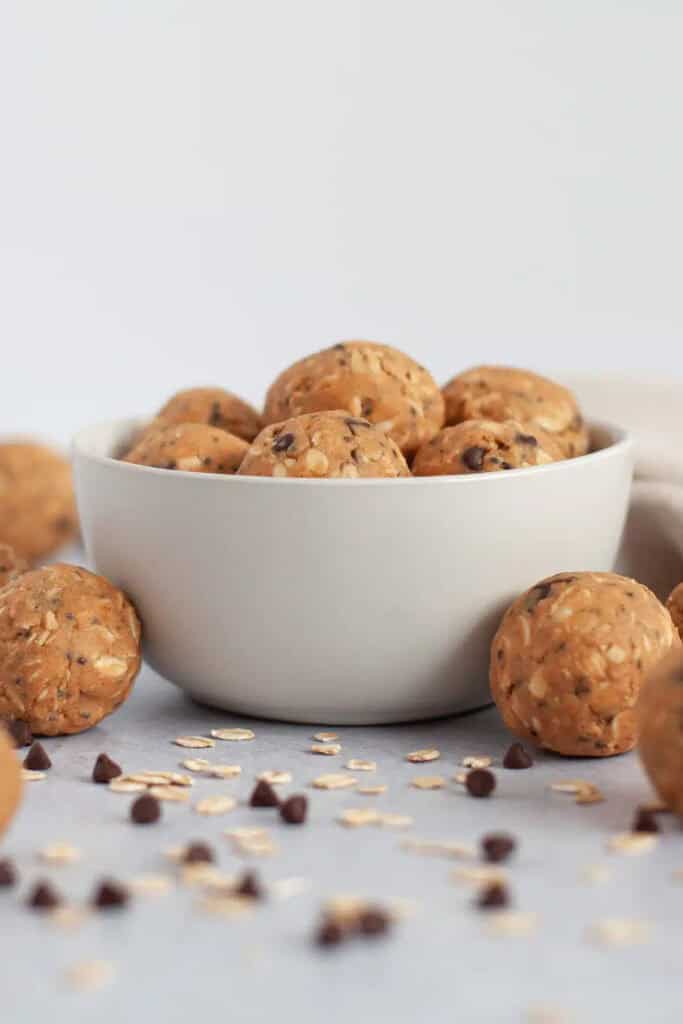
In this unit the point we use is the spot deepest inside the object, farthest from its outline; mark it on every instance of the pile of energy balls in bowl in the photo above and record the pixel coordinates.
(582, 663)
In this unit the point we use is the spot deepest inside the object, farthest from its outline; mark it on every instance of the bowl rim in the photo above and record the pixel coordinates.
(621, 444)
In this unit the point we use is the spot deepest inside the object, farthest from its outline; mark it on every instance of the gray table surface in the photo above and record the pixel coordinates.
(174, 963)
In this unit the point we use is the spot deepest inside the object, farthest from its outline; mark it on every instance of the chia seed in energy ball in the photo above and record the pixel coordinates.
(367, 380)
(569, 659)
(484, 446)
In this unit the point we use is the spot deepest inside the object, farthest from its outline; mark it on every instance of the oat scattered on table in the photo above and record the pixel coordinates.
(124, 786)
(70, 918)
(394, 820)
(479, 874)
(513, 923)
(194, 742)
(440, 848)
(460, 778)
(372, 790)
(334, 781)
(477, 761)
(585, 792)
(217, 804)
(150, 885)
(357, 817)
(234, 735)
(28, 775)
(359, 764)
(632, 843)
(255, 842)
(90, 975)
(428, 782)
(420, 756)
(620, 931)
(206, 876)
(226, 905)
(325, 737)
(286, 888)
(60, 853)
(172, 794)
(275, 778)
(326, 749)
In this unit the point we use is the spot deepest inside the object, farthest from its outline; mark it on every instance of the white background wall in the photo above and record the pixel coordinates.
(202, 191)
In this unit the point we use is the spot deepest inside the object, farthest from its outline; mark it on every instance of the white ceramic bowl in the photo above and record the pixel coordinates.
(339, 601)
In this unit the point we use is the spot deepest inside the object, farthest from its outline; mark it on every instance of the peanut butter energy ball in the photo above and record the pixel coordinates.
(675, 606)
(368, 380)
(484, 446)
(37, 505)
(214, 407)
(324, 444)
(11, 564)
(503, 393)
(69, 649)
(569, 658)
(193, 447)
(10, 780)
(660, 722)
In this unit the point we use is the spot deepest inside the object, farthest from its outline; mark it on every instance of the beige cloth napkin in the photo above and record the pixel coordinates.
(650, 406)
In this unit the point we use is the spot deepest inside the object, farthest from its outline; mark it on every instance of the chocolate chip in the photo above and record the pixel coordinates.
(645, 821)
(373, 921)
(43, 897)
(473, 458)
(366, 406)
(110, 894)
(480, 782)
(249, 886)
(145, 810)
(198, 853)
(283, 443)
(37, 760)
(20, 733)
(264, 795)
(526, 439)
(493, 896)
(294, 809)
(8, 874)
(517, 757)
(497, 847)
(330, 933)
(105, 769)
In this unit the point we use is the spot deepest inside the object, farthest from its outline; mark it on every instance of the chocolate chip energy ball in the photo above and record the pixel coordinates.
(505, 393)
(11, 564)
(483, 446)
(660, 722)
(675, 606)
(569, 658)
(192, 447)
(215, 408)
(10, 780)
(324, 444)
(37, 505)
(69, 649)
(367, 380)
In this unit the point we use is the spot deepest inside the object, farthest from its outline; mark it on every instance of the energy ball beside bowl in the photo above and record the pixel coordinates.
(69, 649)
(11, 565)
(214, 407)
(192, 447)
(37, 505)
(660, 745)
(10, 780)
(569, 658)
(484, 446)
(368, 380)
(504, 392)
(324, 444)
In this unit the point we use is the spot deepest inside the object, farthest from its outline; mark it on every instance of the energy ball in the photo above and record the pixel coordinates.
(505, 393)
(192, 447)
(368, 380)
(10, 780)
(484, 446)
(660, 722)
(569, 659)
(37, 505)
(69, 649)
(11, 564)
(324, 444)
(215, 408)
(675, 606)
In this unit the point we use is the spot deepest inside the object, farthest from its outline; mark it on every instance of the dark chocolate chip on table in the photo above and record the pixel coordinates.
(8, 874)
(294, 809)
(145, 810)
(37, 760)
(43, 897)
(493, 896)
(264, 795)
(105, 769)
(110, 894)
(20, 733)
(198, 853)
(480, 782)
(330, 933)
(645, 821)
(249, 886)
(517, 757)
(373, 921)
(497, 847)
